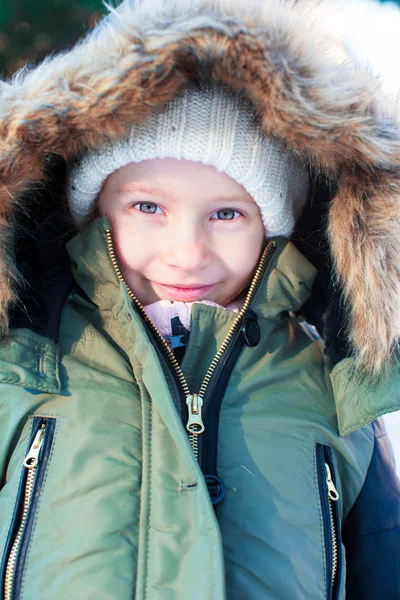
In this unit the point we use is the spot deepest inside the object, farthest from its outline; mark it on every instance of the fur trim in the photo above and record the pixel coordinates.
(328, 110)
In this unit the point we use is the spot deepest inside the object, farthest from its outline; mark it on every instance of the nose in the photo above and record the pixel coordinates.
(188, 250)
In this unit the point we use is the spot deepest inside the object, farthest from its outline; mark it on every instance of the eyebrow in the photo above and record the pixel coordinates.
(235, 199)
(157, 191)
(144, 189)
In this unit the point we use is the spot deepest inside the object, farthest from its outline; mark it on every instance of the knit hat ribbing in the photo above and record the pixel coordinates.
(214, 127)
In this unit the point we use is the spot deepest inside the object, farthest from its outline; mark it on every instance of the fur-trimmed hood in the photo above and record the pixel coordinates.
(324, 107)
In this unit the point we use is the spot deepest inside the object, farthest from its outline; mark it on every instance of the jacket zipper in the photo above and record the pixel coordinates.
(34, 466)
(333, 497)
(329, 498)
(194, 401)
(213, 399)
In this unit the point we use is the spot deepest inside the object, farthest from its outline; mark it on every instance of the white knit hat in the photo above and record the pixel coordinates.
(214, 127)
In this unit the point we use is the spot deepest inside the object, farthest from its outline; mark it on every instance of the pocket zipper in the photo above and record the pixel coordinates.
(333, 496)
(34, 466)
(329, 497)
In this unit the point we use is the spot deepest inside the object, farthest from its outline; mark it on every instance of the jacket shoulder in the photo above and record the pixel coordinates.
(30, 360)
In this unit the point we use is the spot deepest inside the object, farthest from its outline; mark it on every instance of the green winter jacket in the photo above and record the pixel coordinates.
(101, 495)
(120, 505)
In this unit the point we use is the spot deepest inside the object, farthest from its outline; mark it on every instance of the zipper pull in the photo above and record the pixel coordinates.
(195, 422)
(332, 491)
(31, 459)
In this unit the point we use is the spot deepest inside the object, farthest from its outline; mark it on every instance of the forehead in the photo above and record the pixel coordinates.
(171, 178)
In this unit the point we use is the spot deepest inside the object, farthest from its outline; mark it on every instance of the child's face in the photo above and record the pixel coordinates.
(182, 230)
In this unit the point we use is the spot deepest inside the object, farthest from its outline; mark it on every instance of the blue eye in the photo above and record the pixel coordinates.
(147, 207)
(226, 214)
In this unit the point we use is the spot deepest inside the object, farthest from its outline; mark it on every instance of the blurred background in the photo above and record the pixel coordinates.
(33, 29)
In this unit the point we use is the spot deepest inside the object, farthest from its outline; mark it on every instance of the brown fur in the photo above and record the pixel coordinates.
(331, 113)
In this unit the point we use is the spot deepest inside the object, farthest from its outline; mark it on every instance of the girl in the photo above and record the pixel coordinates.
(170, 428)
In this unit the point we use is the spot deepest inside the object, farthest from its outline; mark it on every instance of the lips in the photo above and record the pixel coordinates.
(182, 293)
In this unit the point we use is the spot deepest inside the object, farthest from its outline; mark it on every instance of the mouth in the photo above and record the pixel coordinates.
(185, 293)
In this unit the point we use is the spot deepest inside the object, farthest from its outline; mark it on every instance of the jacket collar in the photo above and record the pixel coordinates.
(361, 399)
(92, 267)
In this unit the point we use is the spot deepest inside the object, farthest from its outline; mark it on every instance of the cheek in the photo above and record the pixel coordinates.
(244, 269)
(130, 244)
(243, 254)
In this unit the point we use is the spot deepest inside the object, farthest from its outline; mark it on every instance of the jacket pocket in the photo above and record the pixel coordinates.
(331, 520)
(33, 472)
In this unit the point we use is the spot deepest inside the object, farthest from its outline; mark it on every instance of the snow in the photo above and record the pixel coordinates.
(392, 422)
(371, 31)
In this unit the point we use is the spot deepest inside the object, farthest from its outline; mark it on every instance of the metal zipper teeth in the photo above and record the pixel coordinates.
(333, 496)
(12, 559)
(194, 442)
(181, 378)
(30, 463)
(334, 545)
